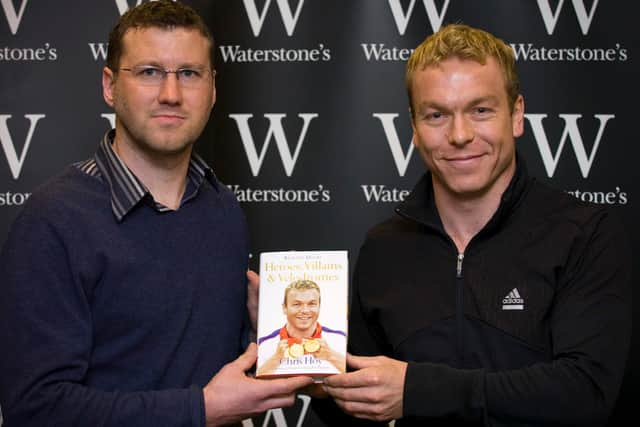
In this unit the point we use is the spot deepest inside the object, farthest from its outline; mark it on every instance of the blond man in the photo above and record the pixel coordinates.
(302, 334)
(490, 299)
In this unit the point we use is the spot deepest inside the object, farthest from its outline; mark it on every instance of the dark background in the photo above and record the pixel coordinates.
(48, 68)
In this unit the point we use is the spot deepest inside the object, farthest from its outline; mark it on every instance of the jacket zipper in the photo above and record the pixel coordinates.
(460, 309)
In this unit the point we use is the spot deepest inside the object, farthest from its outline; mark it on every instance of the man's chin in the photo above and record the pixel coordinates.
(306, 326)
(172, 145)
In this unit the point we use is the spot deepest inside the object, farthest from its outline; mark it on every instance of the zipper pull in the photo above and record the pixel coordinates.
(459, 266)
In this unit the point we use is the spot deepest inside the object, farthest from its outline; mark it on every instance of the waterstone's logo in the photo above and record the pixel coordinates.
(585, 18)
(111, 118)
(276, 132)
(45, 52)
(572, 134)
(16, 159)
(123, 5)
(289, 159)
(278, 415)
(289, 17)
(13, 17)
(551, 17)
(402, 17)
(401, 158)
(99, 49)
(383, 52)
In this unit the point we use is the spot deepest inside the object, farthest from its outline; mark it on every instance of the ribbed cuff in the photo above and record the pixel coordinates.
(198, 418)
(434, 390)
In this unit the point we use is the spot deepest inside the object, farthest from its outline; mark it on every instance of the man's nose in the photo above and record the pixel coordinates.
(170, 91)
(461, 130)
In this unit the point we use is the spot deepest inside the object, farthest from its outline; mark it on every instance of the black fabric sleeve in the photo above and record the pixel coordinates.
(591, 332)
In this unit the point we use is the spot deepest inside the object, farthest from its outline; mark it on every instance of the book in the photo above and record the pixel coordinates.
(302, 313)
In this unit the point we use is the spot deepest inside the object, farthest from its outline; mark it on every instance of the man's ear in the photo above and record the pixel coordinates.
(517, 117)
(414, 136)
(108, 81)
(213, 95)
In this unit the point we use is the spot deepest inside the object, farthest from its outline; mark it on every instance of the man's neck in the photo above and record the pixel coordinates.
(164, 176)
(463, 217)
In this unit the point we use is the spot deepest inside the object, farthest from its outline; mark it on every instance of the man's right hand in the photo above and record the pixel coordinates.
(232, 396)
(374, 391)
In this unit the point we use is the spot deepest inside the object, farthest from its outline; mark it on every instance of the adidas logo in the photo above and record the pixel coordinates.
(513, 301)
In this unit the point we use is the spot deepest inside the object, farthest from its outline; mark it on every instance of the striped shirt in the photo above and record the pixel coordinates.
(126, 189)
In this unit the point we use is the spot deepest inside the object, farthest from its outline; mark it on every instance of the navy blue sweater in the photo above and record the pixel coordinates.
(107, 323)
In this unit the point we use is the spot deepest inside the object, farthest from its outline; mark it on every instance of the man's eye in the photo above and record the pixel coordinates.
(436, 115)
(188, 73)
(149, 72)
(483, 110)
(483, 113)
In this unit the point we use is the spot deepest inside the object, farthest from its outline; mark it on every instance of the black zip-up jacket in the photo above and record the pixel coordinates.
(530, 326)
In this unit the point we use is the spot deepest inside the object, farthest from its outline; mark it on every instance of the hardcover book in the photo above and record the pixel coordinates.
(302, 313)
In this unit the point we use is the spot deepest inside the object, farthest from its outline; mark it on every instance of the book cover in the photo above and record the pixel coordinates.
(302, 313)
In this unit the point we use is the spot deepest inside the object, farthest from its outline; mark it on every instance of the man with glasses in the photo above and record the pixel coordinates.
(124, 285)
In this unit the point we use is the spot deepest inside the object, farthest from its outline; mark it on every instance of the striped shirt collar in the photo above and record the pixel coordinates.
(127, 190)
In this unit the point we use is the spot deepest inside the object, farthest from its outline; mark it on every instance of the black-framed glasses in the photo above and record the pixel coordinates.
(149, 75)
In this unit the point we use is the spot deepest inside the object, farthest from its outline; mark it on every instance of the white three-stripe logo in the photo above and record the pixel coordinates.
(513, 301)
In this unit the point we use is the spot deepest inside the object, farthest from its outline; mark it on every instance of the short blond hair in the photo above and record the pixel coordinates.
(301, 285)
(464, 42)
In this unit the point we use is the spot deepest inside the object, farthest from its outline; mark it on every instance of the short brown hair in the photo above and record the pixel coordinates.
(166, 14)
(464, 42)
(301, 285)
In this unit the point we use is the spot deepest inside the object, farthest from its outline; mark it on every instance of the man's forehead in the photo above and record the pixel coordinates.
(303, 294)
(182, 44)
(153, 30)
(438, 81)
(455, 61)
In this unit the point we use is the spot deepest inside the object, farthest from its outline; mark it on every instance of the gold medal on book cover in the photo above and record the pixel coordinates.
(302, 313)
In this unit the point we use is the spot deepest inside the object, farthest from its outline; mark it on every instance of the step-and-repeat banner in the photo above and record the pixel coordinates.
(311, 129)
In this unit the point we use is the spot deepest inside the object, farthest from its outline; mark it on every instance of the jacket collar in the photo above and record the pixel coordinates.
(420, 207)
